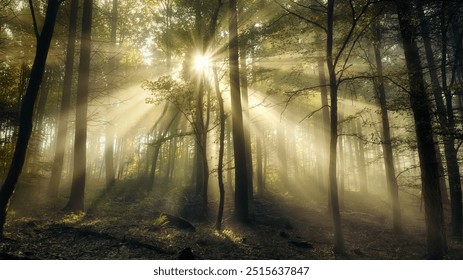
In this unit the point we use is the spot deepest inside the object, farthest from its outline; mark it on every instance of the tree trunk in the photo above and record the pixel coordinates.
(323, 164)
(27, 110)
(362, 168)
(436, 240)
(109, 156)
(259, 159)
(57, 167)
(334, 200)
(392, 184)
(76, 199)
(218, 223)
(109, 129)
(282, 155)
(447, 124)
(246, 117)
(239, 150)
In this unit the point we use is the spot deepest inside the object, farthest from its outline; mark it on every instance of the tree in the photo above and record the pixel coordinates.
(222, 118)
(76, 199)
(27, 109)
(239, 152)
(58, 160)
(435, 228)
(446, 119)
(385, 130)
(109, 130)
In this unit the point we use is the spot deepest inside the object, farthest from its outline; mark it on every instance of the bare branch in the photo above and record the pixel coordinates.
(34, 20)
(314, 112)
(312, 22)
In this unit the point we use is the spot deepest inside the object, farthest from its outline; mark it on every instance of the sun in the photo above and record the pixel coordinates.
(202, 63)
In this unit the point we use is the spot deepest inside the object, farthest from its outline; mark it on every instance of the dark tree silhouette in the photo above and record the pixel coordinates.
(385, 130)
(57, 168)
(27, 110)
(109, 129)
(333, 189)
(436, 240)
(239, 151)
(76, 199)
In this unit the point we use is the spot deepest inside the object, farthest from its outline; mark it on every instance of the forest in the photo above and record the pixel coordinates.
(231, 129)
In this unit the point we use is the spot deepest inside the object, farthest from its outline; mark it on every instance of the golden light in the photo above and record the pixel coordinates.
(202, 62)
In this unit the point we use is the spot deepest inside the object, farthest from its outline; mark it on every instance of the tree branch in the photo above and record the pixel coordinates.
(34, 20)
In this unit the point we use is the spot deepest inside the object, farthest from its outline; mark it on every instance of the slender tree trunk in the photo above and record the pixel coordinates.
(159, 140)
(218, 223)
(199, 129)
(392, 184)
(239, 150)
(76, 199)
(436, 240)
(362, 167)
(323, 164)
(447, 124)
(334, 200)
(27, 110)
(282, 155)
(228, 126)
(109, 156)
(246, 117)
(109, 129)
(57, 167)
(259, 159)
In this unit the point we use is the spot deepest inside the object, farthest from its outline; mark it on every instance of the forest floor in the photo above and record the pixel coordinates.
(281, 227)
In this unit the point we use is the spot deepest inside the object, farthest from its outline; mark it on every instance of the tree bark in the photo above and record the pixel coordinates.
(246, 117)
(27, 110)
(76, 199)
(218, 223)
(435, 228)
(323, 164)
(239, 150)
(392, 184)
(65, 106)
(447, 126)
(109, 129)
(334, 200)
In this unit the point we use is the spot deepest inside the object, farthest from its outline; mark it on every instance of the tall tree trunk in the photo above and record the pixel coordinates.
(436, 240)
(218, 223)
(199, 130)
(76, 199)
(57, 167)
(239, 150)
(282, 154)
(323, 164)
(246, 116)
(392, 184)
(334, 200)
(362, 167)
(109, 129)
(447, 124)
(259, 160)
(27, 110)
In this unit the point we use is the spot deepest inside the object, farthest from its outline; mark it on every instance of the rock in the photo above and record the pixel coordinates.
(283, 234)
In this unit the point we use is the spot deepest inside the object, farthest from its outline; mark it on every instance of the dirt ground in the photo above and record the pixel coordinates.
(281, 227)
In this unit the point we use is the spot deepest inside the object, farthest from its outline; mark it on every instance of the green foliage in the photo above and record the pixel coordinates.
(229, 235)
(160, 222)
(169, 89)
